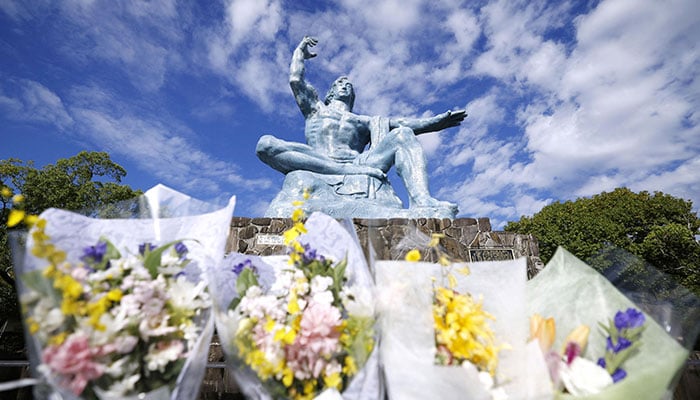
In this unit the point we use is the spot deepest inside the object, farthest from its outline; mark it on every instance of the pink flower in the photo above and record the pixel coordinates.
(73, 361)
(317, 341)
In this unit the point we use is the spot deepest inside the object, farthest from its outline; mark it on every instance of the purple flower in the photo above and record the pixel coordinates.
(622, 343)
(601, 362)
(618, 375)
(629, 319)
(94, 253)
(181, 249)
(143, 247)
(238, 268)
(311, 255)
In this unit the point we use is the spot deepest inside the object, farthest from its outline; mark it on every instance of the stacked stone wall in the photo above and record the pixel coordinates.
(467, 239)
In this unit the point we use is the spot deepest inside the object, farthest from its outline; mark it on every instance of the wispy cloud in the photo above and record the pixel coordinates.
(34, 102)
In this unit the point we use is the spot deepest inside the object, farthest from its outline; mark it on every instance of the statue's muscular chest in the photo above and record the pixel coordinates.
(337, 129)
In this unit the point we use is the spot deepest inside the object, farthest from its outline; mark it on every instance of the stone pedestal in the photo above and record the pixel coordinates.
(467, 239)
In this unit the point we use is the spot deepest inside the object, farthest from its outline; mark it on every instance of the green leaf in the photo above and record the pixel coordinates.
(245, 280)
(152, 258)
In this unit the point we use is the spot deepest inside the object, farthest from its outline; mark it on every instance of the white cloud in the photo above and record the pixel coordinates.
(141, 39)
(34, 102)
(153, 146)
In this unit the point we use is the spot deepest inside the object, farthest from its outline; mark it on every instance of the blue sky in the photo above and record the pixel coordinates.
(565, 98)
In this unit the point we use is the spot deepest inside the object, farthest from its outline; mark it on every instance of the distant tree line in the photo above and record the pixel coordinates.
(656, 228)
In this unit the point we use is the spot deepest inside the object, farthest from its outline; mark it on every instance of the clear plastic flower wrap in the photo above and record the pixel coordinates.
(117, 307)
(639, 324)
(453, 328)
(301, 325)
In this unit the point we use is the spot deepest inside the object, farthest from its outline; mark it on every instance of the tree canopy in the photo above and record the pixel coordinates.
(657, 227)
(87, 180)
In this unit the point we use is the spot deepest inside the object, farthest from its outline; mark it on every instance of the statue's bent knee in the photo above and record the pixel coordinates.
(403, 134)
(265, 146)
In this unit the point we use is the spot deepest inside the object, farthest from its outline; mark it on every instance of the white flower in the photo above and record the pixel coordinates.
(584, 377)
(283, 281)
(187, 295)
(162, 353)
(119, 389)
(156, 326)
(123, 367)
(320, 283)
(325, 297)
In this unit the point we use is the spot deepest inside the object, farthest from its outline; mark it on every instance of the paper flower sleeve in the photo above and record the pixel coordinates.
(573, 293)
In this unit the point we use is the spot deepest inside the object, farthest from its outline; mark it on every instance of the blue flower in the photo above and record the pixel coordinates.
(601, 362)
(629, 319)
(238, 268)
(618, 375)
(94, 253)
(181, 249)
(311, 255)
(146, 247)
(622, 343)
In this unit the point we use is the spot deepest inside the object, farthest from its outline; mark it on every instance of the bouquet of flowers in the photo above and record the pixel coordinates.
(452, 328)
(301, 325)
(615, 349)
(120, 308)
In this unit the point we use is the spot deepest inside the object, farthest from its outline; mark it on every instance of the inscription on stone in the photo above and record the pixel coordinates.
(269, 240)
(490, 255)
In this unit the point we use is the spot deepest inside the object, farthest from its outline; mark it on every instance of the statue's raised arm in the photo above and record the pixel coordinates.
(439, 122)
(304, 94)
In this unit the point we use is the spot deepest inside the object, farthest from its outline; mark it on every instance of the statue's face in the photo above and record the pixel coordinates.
(343, 88)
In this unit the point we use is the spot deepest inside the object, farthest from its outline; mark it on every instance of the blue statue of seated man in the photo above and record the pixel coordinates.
(345, 177)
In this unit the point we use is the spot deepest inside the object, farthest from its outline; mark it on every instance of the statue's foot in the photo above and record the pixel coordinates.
(432, 202)
(356, 169)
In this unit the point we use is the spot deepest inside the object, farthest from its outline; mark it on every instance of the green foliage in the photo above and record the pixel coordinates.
(87, 180)
(657, 227)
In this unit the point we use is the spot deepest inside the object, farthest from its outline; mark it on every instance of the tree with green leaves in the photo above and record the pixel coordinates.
(657, 227)
(88, 180)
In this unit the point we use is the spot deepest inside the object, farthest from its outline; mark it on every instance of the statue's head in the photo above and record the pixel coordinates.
(342, 90)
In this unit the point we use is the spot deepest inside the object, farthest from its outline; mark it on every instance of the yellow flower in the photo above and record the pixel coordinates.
(333, 380)
(413, 255)
(461, 327)
(58, 339)
(290, 235)
(5, 192)
(293, 305)
(310, 386)
(15, 217)
(33, 325)
(18, 198)
(350, 367)
(544, 330)
(287, 377)
(579, 336)
(269, 325)
(452, 281)
(435, 239)
(114, 295)
(464, 270)
(297, 214)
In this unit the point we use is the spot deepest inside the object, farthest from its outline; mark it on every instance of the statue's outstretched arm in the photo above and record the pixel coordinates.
(439, 122)
(304, 93)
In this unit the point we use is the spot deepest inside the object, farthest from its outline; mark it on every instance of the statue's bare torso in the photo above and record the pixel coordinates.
(341, 135)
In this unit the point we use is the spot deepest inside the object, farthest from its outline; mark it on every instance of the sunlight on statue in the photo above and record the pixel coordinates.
(347, 156)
